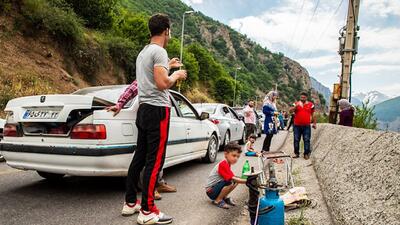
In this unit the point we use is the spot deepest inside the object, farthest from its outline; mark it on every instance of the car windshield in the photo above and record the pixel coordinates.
(108, 93)
(205, 108)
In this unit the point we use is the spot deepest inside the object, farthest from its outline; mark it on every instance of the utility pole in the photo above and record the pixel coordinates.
(182, 40)
(348, 47)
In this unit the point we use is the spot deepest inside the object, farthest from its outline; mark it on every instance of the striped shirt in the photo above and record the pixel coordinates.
(130, 92)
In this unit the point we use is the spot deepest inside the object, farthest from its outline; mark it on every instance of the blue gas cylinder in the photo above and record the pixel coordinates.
(277, 215)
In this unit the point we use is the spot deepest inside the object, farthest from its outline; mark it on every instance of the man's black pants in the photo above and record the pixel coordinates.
(153, 126)
(250, 129)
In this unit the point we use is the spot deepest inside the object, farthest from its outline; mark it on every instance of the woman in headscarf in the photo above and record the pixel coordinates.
(270, 112)
(346, 113)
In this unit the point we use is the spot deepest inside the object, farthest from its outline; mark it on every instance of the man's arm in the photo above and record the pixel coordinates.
(163, 81)
(239, 180)
(130, 92)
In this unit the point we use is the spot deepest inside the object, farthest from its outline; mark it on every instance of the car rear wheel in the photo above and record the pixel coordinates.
(212, 150)
(51, 176)
(1, 158)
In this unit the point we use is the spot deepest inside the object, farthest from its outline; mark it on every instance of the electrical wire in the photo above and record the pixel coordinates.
(324, 31)
(296, 26)
(307, 28)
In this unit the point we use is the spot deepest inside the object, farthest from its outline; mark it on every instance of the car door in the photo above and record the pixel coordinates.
(196, 136)
(177, 134)
(238, 123)
(233, 126)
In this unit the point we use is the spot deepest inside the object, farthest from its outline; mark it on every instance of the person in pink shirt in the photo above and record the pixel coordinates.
(249, 118)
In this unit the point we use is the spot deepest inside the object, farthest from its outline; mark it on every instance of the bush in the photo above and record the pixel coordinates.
(89, 57)
(133, 27)
(96, 13)
(124, 52)
(224, 90)
(5, 6)
(365, 117)
(62, 23)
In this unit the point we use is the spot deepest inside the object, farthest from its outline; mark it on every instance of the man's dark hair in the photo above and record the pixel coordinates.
(233, 147)
(304, 93)
(253, 136)
(158, 23)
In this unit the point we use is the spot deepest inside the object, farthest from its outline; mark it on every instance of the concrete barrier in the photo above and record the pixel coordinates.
(359, 174)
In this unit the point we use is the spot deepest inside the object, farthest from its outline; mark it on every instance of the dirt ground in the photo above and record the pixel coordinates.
(304, 176)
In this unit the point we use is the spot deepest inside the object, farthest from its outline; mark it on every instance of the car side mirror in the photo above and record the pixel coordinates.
(241, 118)
(204, 116)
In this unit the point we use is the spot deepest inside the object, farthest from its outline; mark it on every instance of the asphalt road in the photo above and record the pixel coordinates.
(26, 198)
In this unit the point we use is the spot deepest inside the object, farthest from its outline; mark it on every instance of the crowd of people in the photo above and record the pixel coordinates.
(153, 116)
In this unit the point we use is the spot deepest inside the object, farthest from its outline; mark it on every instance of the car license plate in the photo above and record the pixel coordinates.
(40, 114)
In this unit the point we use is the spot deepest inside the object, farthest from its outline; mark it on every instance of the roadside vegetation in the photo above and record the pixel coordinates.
(365, 117)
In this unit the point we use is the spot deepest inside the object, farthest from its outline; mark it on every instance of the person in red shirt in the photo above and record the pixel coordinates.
(303, 113)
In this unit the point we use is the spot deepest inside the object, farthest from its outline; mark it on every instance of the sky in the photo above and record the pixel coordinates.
(292, 27)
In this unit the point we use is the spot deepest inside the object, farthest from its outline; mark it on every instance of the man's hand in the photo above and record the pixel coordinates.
(114, 109)
(314, 126)
(175, 63)
(180, 74)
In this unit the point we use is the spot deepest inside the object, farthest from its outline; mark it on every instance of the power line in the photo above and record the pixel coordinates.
(306, 30)
(326, 28)
(296, 26)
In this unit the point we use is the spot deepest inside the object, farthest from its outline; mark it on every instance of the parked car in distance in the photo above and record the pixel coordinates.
(230, 126)
(73, 134)
(239, 111)
(262, 119)
(2, 122)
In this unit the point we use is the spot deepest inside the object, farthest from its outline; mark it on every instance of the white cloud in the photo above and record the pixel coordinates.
(380, 38)
(320, 61)
(393, 90)
(382, 8)
(377, 69)
(276, 27)
(193, 2)
(382, 57)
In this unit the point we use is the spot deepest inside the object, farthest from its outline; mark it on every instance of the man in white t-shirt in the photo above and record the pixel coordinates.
(250, 118)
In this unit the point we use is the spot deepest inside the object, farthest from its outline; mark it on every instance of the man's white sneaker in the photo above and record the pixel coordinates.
(130, 208)
(145, 218)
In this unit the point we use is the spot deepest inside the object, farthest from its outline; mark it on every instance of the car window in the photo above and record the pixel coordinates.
(205, 108)
(226, 112)
(234, 115)
(184, 107)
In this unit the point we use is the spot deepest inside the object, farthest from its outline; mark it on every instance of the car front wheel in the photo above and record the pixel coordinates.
(51, 176)
(212, 150)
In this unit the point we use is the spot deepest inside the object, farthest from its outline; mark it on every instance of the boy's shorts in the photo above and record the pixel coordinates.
(251, 153)
(215, 190)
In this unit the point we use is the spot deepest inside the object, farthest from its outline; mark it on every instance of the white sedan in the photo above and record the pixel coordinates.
(73, 134)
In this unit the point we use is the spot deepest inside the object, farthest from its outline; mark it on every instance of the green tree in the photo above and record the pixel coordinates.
(97, 13)
(365, 117)
(133, 27)
(189, 61)
(224, 90)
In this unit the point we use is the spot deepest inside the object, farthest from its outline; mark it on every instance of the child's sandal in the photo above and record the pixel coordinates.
(222, 204)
